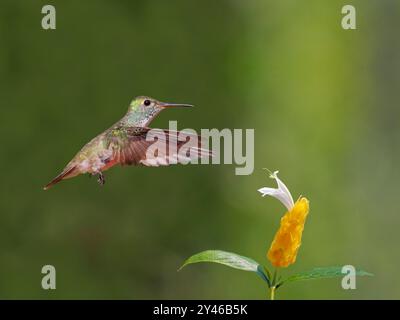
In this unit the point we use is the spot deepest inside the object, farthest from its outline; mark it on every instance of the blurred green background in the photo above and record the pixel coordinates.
(323, 102)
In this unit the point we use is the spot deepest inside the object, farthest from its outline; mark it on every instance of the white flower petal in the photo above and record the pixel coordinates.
(281, 193)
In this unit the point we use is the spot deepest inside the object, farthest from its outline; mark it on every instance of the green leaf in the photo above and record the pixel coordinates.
(229, 259)
(264, 274)
(321, 273)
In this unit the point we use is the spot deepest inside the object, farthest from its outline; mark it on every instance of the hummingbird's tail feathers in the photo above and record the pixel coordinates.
(63, 175)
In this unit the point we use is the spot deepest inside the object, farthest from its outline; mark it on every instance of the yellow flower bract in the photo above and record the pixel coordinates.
(287, 241)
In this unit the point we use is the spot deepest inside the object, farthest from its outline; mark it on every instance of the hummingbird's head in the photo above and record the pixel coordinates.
(143, 109)
(145, 104)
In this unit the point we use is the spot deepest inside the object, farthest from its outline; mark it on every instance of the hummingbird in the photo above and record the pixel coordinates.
(125, 143)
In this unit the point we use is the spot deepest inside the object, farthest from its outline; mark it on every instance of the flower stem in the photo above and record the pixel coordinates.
(273, 284)
(272, 293)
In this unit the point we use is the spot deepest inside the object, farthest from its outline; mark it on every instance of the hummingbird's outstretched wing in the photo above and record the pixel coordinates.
(154, 147)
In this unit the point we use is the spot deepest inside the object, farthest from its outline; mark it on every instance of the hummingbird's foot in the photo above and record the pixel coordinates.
(101, 180)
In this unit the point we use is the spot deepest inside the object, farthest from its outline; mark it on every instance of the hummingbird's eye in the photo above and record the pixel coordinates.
(146, 102)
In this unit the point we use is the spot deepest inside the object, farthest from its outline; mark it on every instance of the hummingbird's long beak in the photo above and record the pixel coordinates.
(174, 105)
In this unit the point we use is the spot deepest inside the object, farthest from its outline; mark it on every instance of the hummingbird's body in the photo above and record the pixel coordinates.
(125, 143)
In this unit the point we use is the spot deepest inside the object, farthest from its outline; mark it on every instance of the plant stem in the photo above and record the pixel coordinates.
(273, 284)
(272, 293)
